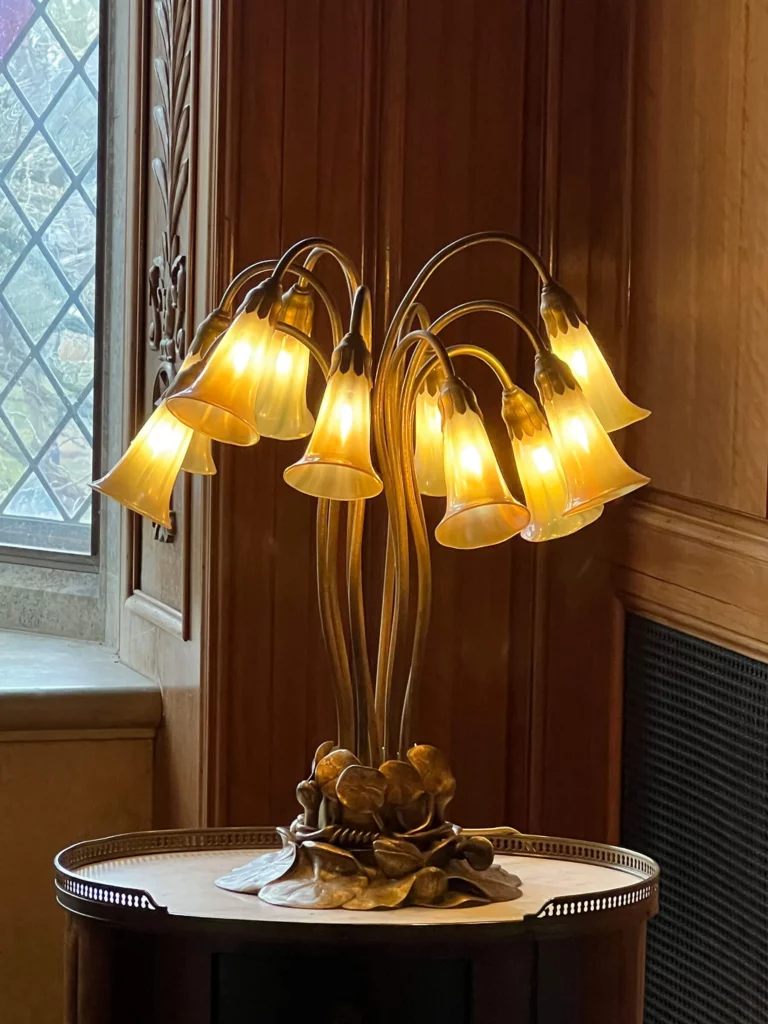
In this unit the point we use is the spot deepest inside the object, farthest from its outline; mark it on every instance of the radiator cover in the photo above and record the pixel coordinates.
(695, 797)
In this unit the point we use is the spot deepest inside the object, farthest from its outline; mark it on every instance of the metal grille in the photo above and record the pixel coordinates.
(49, 68)
(695, 780)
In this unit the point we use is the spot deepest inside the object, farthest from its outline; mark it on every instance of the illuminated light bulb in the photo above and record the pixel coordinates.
(217, 396)
(572, 342)
(143, 479)
(337, 463)
(428, 450)
(594, 471)
(281, 400)
(541, 475)
(479, 511)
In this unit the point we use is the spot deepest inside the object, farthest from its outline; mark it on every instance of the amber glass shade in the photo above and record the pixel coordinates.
(479, 511)
(221, 396)
(594, 470)
(143, 479)
(580, 351)
(199, 457)
(281, 401)
(545, 488)
(428, 452)
(337, 463)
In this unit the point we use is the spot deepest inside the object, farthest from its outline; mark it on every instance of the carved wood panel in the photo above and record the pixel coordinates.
(162, 570)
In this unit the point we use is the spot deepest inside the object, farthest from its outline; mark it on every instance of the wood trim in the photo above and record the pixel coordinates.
(169, 619)
(219, 119)
(699, 568)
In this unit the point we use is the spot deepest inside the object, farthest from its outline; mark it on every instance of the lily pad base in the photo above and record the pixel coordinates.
(376, 838)
(318, 876)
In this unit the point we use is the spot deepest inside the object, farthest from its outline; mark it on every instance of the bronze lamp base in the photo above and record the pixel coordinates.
(376, 838)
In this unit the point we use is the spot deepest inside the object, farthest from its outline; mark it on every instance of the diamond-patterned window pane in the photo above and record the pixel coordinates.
(68, 352)
(86, 412)
(73, 124)
(15, 122)
(14, 352)
(71, 239)
(14, 14)
(49, 68)
(67, 467)
(35, 293)
(12, 462)
(37, 180)
(77, 20)
(88, 297)
(92, 66)
(91, 181)
(33, 408)
(13, 236)
(39, 66)
(32, 501)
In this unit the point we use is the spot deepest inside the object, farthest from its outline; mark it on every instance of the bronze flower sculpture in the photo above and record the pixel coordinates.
(373, 838)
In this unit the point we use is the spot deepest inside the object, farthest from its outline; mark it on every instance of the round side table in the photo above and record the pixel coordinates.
(150, 938)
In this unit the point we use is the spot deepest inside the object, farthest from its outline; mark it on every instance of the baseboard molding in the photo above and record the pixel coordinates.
(698, 568)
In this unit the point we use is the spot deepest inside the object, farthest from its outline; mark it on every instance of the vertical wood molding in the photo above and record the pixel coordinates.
(577, 634)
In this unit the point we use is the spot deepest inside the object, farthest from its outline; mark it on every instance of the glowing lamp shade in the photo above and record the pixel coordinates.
(428, 452)
(143, 479)
(221, 397)
(281, 401)
(199, 457)
(337, 463)
(479, 511)
(594, 470)
(579, 350)
(545, 489)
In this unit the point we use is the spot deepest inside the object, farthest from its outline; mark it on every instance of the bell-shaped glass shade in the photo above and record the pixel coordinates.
(199, 457)
(479, 511)
(545, 488)
(220, 399)
(143, 479)
(337, 463)
(428, 451)
(281, 401)
(594, 470)
(580, 351)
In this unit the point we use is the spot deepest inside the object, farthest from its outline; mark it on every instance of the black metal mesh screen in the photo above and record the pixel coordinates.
(695, 781)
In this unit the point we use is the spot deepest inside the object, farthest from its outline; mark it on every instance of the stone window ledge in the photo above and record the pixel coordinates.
(71, 687)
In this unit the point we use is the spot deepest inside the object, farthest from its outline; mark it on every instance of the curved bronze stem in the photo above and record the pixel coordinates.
(383, 434)
(367, 739)
(330, 618)
(490, 306)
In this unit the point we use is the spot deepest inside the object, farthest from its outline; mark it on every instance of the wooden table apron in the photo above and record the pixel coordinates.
(577, 959)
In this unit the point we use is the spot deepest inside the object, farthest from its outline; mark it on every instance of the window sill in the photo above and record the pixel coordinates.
(64, 602)
(71, 688)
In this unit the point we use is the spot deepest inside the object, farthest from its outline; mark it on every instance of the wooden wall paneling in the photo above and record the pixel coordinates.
(576, 725)
(698, 354)
(694, 554)
(464, 120)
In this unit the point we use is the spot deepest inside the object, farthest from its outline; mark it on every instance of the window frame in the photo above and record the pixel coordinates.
(90, 562)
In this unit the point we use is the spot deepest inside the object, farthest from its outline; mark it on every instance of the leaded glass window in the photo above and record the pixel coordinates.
(49, 62)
